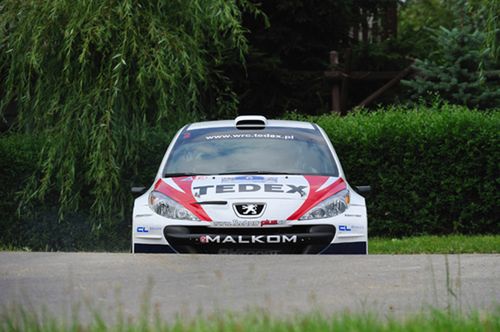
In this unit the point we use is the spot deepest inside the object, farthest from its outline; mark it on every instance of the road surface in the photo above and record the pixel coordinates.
(186, 285)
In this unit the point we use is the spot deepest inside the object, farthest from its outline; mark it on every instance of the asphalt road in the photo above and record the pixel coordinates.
(186, 285)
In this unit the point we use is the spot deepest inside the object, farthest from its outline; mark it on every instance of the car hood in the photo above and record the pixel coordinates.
(249, 197)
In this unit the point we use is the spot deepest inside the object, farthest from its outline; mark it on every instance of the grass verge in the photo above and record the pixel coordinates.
(451, 244)
(432, 321)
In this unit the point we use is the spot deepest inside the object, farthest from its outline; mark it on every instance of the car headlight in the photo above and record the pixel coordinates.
(330, 207)
(167, 207)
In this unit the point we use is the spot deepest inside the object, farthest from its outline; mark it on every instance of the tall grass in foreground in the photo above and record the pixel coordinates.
(21, 320)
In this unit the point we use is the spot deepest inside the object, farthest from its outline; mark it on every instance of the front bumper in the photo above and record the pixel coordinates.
(292, 239)
(343, 234)
(348, 248)
(300, 239)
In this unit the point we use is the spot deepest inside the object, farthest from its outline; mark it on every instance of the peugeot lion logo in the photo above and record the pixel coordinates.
(249, 210)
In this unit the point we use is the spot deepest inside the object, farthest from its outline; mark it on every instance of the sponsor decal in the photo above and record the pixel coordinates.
(249, 187)
(237, 223)
(350, 228)
(249, 223)
(254, 135)
(186, 135)
(147, 229)
(185, 194)
(269, 222)
(252, 178)
(248, 239)
(344, 228)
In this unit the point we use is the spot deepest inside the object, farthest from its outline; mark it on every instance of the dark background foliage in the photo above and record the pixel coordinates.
(287, 59)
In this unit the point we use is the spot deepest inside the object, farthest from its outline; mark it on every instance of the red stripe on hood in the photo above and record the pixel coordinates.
(315, 196)
(185, 198)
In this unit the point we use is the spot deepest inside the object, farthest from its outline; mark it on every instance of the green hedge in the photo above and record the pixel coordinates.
(433, 171)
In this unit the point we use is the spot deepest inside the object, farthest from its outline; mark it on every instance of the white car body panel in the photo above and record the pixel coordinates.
(281, 195)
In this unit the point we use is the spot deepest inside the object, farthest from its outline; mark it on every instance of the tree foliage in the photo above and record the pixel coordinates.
(93, 76)
(419, 19)
(492, 29)
(457, 68)
(456, 75)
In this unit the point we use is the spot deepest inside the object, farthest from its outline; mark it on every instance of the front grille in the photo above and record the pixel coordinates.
(298, 239)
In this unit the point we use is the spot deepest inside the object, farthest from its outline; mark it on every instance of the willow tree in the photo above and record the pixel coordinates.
(92, 77)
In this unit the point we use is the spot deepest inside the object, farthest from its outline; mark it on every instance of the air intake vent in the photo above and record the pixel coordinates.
(250, 122)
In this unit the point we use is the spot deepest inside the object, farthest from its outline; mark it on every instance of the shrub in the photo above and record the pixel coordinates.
(433, 171)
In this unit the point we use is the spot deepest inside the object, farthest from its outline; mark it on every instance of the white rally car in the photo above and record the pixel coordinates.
(250, 186)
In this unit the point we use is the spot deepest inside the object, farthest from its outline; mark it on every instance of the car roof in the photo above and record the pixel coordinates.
(232, 124)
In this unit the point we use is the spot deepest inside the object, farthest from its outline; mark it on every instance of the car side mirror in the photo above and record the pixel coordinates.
(363, 189)
(138, 191)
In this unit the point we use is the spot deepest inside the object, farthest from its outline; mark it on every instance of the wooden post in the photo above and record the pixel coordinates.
(334, 61)
(375, 26)
(364, 27)
(345, 82)
(392, 19)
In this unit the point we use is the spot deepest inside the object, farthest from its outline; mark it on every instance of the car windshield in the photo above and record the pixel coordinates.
(278, 150)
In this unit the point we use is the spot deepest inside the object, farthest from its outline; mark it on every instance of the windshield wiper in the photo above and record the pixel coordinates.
(173, 175)
(256, 172)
